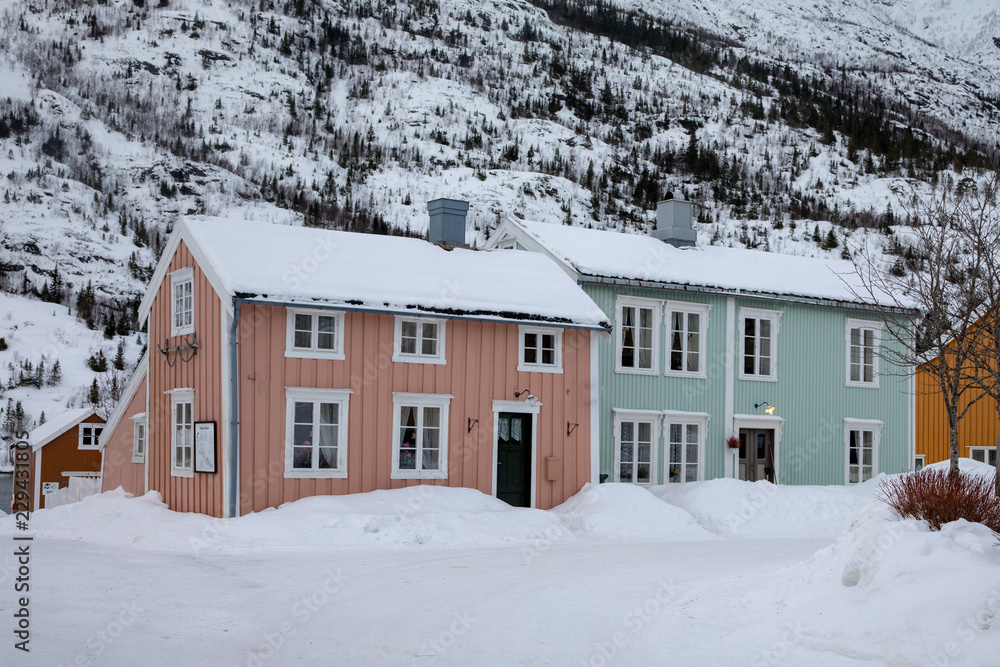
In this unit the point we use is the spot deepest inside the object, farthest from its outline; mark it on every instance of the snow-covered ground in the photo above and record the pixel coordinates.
(716, 573)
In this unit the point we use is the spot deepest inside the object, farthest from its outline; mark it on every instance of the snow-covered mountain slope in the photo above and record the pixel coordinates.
(789, 124)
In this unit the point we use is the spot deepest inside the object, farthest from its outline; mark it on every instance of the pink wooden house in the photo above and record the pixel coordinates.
(288, 362)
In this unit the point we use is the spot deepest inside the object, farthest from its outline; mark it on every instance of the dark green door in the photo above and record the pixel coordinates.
(514, 459)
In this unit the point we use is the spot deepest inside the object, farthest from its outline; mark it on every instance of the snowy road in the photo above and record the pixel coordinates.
(502, 606)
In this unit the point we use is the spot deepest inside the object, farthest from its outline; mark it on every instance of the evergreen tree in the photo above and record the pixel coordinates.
(109, 326)
(39, 380)
(119, 362)
(97, 362)
(41, 418)
(55, 374)
(94, 395)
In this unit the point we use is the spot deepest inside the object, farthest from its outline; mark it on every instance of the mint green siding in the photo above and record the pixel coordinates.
(810, 394)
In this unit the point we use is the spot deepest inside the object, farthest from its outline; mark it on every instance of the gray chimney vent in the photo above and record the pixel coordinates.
(673, 223)
(447, 225)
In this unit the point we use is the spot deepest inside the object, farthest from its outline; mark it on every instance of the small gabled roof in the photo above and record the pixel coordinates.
(307, 266)
(617, 256)
(127, 395)
(56, 426)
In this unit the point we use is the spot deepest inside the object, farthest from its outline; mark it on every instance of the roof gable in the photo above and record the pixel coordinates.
(55, 427)
(127, 395)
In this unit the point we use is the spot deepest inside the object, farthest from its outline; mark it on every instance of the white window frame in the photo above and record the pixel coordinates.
(656, 306)
(759, 314)
(177, 278)
(314, 352)
(699, 419)
(418, 358)
(876, 328)
(342, 398)
(94, 431)
(922, 460)
(538, 366)
(654, 417)
(442, 401)
(507, 244)
(139, 443)
(700, 309)
(984, 449)
(178, 396)
(862, 425)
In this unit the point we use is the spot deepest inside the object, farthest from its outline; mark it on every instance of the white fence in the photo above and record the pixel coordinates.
(79, 488)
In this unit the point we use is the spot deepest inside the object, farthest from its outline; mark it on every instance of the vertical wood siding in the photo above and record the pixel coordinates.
(118, 467)
(810, 393)
(203, 492)
(481, 367)
(63, 454)
(978, 428)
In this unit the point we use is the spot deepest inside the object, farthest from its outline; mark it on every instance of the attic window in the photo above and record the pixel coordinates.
(182, 302)
(89, 434)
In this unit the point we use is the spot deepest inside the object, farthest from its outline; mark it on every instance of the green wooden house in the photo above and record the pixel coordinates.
(728, 362)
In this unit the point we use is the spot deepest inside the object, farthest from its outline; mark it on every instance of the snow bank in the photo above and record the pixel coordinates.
(623, 511)
(970, 466)
(731, 507)
(885, 579)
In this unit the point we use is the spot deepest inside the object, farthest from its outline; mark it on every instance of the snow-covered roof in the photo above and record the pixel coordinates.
(617, 255)
(56, 426)
(388, 273)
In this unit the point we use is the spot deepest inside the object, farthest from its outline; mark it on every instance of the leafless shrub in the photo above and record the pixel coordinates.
(938, 497)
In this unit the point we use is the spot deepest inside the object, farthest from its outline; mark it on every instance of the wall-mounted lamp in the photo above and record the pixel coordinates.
(472, 424)
(769, 409)
(570, 427)
(532, 399)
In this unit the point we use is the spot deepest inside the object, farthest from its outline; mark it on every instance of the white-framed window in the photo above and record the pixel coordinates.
(507, 244)
(861, 438)
(758, 344)
(918, 462)
(315, 334)
(539, 349)
(316, 432)
(688, 324)
(419, 340)
(684, 436)
(636, 437)
(863, 340)
(182, 432)
(89, 433)
(139, 438)
(987, 455)
(182, 302)
(420, 436)
(638, 329)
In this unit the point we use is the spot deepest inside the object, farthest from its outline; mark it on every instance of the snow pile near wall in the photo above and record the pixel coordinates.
(883, 579)
(968, 466)
(731, 507)
(623, 511)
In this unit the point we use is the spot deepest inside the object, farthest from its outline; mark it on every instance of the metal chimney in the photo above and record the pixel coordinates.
(447, 222)
(673, 223)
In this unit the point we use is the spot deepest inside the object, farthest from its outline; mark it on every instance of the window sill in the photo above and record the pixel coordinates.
(521, 368)
(181, 332)
(409, 474)
(406, 359)
(862, 385)
(315, 474)
(685, 374)
(138, 459)
(636, 371)
(758, 378)
(314, 354)
(91, 448)
(174, 472)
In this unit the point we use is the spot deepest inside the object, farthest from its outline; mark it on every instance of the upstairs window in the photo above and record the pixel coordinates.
(419, 340)
(315, 334)
(758, 344)
(863, 339)
(688, 323)
(89, 434)
(540, 350)
(182, 302)
(637, 338)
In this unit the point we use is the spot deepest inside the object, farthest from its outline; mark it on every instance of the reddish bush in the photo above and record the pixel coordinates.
(938, 498)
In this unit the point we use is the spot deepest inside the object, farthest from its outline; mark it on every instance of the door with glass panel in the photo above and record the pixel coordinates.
(757, 454)
(514, 458)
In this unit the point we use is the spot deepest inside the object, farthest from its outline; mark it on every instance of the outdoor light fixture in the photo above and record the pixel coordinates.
(532, 400)
(769, 409)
